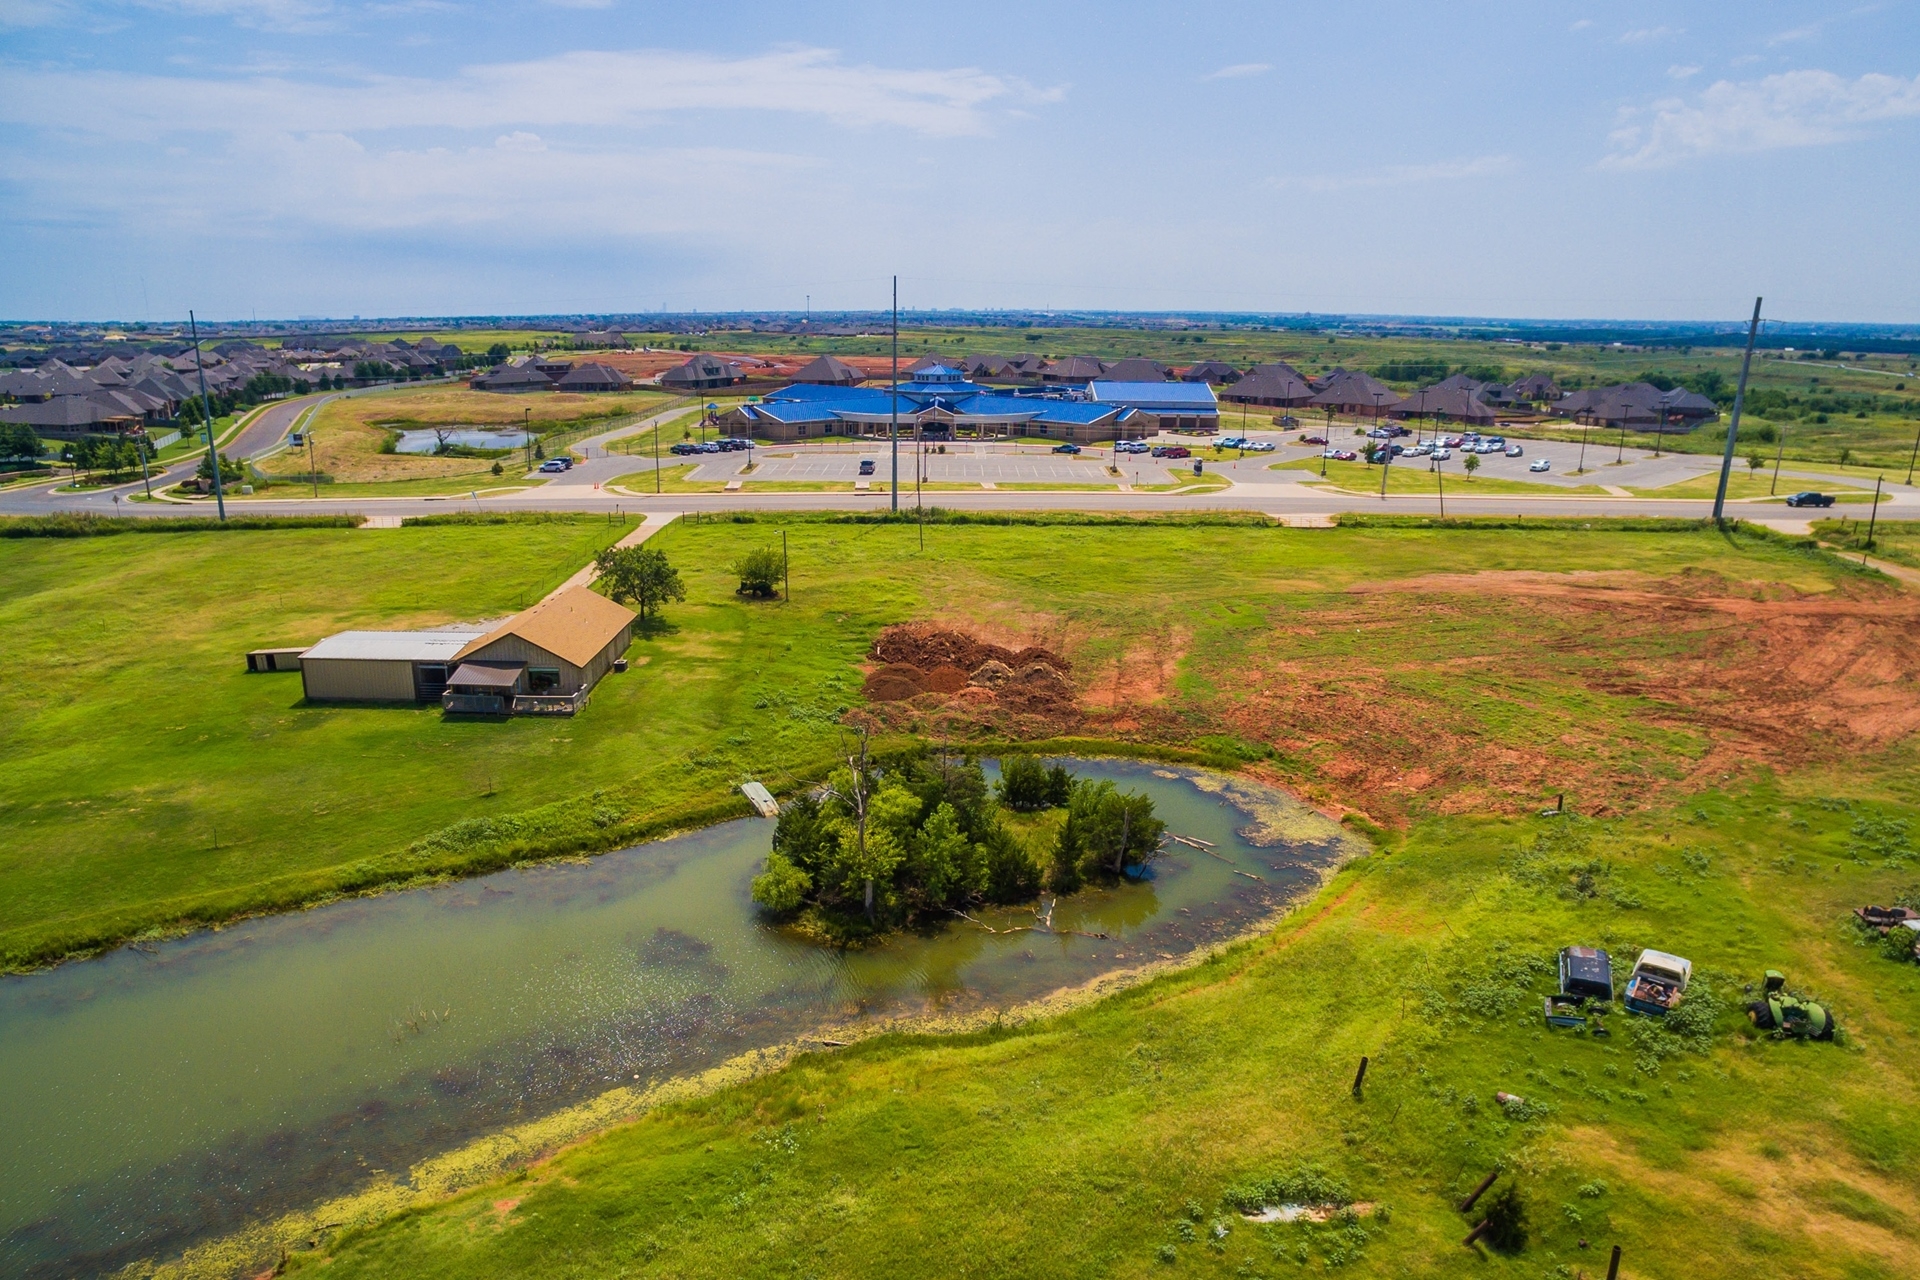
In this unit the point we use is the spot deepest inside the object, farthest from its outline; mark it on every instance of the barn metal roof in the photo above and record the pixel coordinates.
(395, 646)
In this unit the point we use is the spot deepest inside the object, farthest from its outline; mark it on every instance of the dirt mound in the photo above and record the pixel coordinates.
(991, 674)
(895, 682)
(928, 647)
(946, 680)
(951, 682)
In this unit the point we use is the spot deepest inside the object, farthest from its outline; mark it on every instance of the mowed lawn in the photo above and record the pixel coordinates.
(147, 779)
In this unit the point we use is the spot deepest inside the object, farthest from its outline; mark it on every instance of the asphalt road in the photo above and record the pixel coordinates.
(1256, 487)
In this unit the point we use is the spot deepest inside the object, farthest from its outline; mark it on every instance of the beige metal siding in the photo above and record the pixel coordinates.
(356, 680)
(511, 648)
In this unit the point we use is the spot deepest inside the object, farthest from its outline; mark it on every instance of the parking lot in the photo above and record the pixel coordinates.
(1000, 468)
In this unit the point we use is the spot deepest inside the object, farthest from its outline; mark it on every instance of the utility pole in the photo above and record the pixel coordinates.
(1872, 517)
(313, 465)
(656, 461)
(146, 478)
(1733, 427)
(1914, 455)
(1780, 447)
(206, 417)
(893, 430)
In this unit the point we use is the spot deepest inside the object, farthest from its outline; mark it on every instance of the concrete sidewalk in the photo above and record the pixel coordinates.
(654, 523)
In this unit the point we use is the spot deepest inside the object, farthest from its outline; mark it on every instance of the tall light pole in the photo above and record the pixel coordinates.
(893, 428)
(1780, 447)
(1912, 457)
(206, 417)
(1733, 428)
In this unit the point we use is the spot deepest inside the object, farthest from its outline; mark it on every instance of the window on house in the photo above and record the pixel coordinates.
(542, 679)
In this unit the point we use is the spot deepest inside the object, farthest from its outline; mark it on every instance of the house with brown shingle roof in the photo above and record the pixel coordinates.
(827, 371)
(542, 661)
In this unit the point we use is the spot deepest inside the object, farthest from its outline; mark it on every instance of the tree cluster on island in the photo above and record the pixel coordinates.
(925, 837)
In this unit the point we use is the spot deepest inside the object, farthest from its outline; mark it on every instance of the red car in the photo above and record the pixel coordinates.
(1172, 451)
(1313, 439)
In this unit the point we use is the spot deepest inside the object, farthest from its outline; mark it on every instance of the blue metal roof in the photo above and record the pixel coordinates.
(1187, 397)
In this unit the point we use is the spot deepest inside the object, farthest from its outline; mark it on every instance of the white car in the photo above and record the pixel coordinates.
(1540, 464)
(1441, 455)
(1514, 451)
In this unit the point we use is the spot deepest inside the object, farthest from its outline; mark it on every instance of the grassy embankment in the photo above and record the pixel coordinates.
(924, 1155)
(1418, 479)
(1101, 1143)
(1897, 541)
(1750, 484)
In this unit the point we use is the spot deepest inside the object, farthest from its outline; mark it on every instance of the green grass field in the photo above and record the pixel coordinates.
(1894, 540)
(1102, 1143)
(1745, 484)
(150, 780)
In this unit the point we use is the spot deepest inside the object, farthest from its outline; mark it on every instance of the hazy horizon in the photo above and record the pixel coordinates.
(431, 158)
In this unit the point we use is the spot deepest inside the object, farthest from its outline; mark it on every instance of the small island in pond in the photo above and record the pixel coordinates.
(881, 847)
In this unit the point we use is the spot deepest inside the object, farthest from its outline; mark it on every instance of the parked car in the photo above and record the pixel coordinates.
(1808, 498)
(1451, 442)
(1441, 454)
(1379, 433)
(553, 464)
(1313, 439)
(1540, 464)
(1066, 448)
(1176, 451)
(866, 466)
(1131, 446)
(1230, 442)
(1498, 442)
(683, 448)
(1586, 972)
(1342, 455)
(1258, 446)
(1658, 984)
(1515, 451)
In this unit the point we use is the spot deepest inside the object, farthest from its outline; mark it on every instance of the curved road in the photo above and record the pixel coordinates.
(1271, 494)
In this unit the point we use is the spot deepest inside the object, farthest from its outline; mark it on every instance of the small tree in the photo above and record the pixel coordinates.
(1471, 464)
(759, 573)
(639, 576)
(1755, 462)
(1023, 783)
(230, 471)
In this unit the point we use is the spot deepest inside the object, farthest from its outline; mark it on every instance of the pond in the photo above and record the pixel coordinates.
(160, 1096)
(471, 437)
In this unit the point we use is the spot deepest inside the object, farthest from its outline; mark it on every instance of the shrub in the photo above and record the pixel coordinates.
(1506, 1220)
(1303, 1184)
(1023, 783)
(759, 571)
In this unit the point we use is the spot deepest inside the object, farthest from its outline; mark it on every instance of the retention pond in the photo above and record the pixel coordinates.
(161, 1096)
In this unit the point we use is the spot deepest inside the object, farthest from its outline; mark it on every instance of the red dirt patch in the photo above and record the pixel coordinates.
(937, 678)
(1754, 673)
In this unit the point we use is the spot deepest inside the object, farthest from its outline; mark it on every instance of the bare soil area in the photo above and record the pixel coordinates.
(1482, 692)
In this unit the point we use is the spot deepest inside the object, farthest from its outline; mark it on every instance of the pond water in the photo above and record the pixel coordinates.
(471, 437)
(160, 1096)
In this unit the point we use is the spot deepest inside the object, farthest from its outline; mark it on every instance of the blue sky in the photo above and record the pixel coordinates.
(340, 157)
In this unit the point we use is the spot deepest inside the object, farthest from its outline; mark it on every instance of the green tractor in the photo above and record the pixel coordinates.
(1788, 1017)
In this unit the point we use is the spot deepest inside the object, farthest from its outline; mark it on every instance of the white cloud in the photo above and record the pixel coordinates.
(1679, 72)
(587, 88)
(520, 140)
(1239, 70)
(1581, 25)
(1647, 35)
(1807, 32)
(32, 13)
(1403, 175)
(265, 15)
(1793, 109)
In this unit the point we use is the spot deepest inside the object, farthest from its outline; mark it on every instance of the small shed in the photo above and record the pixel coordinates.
(274, 659)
